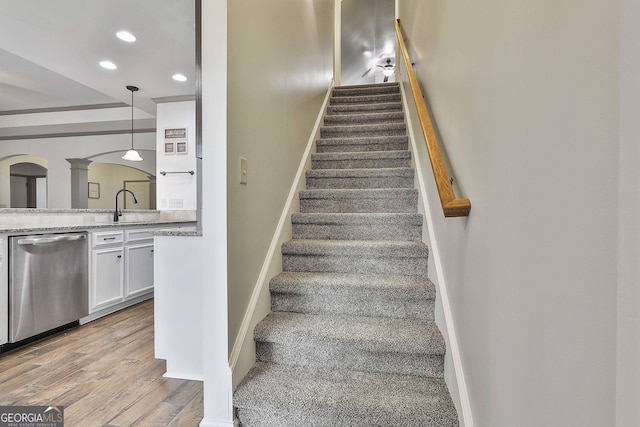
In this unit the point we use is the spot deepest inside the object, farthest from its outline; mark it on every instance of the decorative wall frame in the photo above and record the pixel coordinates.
(176, 133)
(94, 190)
(181, 147)
(169, 148)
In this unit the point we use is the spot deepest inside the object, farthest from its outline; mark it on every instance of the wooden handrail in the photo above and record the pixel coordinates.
(451, 205)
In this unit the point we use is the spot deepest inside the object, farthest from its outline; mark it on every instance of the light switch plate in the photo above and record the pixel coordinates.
(243, 170)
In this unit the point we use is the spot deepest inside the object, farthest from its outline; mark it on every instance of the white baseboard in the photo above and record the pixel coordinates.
(453, 351)
(104, 312)
(214, 423)
(182, 376)
(242, 355)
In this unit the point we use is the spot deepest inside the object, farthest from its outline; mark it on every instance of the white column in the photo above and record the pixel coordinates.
(218, 405)
(79, 183)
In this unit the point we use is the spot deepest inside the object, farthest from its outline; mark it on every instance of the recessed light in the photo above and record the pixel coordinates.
(179, 78)
(126, 36)
(108, 65)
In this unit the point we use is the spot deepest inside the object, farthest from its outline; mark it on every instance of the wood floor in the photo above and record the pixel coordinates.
(104, 374)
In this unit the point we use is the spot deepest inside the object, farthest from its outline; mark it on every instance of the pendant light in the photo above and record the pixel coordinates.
(132, 155)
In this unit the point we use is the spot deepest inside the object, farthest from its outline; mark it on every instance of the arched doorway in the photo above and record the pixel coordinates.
(23, 179)
(28, 185)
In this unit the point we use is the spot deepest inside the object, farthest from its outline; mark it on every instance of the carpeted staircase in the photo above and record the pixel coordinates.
(351, 340)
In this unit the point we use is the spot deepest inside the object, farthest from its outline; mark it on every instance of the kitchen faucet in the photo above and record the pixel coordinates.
(116, 213)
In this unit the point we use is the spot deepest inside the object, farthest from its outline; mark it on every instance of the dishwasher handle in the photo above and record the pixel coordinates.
(53, 239)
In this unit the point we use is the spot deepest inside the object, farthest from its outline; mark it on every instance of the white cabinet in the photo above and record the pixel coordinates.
(121, 268)
(106, 277)
(139, 270)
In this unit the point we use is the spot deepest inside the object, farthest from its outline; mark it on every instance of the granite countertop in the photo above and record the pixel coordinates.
(74, 211)
(82, 227)
(31, 221)
(186, 231)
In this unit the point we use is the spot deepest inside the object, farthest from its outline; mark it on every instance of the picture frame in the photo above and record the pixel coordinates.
(181, 147)
(169, 148)
(175, 133)
(94, 190)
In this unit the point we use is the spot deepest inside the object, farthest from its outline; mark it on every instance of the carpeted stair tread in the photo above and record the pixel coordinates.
(355, 248)
(344, 342)
(365, 194)
(366, 85)
(288, 396)
(409, 287)
(363, 108)
(360, 173)
(359, 200)
(365, 89)
(360, 144)
(357, 226)
(371, 219)
(360, 178)
(355, 257)
(388, 129)
(361, 155)
(361, 160)
(365, 333)
(363, 118)
(401, 297)
(365, 99)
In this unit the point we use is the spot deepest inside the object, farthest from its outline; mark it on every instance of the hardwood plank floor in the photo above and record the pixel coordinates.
(104, 373)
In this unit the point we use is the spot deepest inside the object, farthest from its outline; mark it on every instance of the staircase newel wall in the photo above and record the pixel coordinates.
(280, 65)
(218, 410)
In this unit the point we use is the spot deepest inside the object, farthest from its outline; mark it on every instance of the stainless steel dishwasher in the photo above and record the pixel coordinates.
(48, 283)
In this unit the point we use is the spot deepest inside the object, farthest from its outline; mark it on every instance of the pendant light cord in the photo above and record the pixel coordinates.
(132, 89)
(132, 119)
(132, 154)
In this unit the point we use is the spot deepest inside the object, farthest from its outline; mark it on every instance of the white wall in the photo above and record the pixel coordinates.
(57, 150)
(176, 191)
(526, 97)
(280, 66)
(628, 390)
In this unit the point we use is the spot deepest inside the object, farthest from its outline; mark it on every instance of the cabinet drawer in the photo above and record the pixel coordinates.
(107, 238)
(137, 235)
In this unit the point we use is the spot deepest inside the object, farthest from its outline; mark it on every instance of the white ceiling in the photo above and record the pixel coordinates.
(50, 50)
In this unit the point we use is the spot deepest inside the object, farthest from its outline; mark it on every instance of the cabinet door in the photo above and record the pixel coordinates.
(106, 277)
(139, 269)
